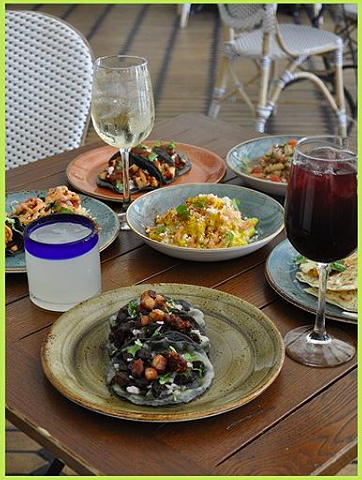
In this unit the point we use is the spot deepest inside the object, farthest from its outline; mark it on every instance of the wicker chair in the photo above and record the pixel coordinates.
(48, 87)
(253, 32)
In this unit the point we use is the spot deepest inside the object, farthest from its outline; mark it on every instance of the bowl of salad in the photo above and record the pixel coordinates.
(206, 222)
(264, 163)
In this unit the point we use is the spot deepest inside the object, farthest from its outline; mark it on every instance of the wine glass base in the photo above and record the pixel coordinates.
(330, 353)
(123, 225)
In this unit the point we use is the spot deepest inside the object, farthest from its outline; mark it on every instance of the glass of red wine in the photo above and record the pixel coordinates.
(321, 224)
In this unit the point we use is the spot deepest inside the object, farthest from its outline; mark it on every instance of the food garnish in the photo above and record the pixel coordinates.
(159, 356)
(57, 200)
(150, 167)
(275, 165)
(204, 221)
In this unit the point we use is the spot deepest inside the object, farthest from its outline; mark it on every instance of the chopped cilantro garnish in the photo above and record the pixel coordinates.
(182, 211)
(157, 331)
(200, 203)
(338, 266)
(229, 237)
(299, 259)
(119, 185)
(160, 229)
(171, 303)
(171, 146)
(152, 156)
(133, 349)
(189, 357)
(236, 203)
(132, 308)
(64, 210)
(165, 378)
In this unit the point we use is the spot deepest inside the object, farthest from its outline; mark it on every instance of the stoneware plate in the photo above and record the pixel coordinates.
(270, 213)
(82, 172)
(247, 352)
(102, 214)
(280, 271)
(245, 155)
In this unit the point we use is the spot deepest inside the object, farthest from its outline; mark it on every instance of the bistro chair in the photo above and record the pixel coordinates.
(253, 33)
(48, 87)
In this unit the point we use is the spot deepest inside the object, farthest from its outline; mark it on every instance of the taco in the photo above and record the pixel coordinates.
(158, 372)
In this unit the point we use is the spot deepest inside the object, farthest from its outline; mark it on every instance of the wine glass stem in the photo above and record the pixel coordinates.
(125, 166)
(319, 331)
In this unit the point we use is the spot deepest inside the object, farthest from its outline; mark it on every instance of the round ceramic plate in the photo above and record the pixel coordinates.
(280, 272)
(142, 213)
(206, 167)
(247, 352)
(245, 155)
(101, 213)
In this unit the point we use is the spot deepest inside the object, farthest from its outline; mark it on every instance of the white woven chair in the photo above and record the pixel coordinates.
(253, 33)
(48, 87)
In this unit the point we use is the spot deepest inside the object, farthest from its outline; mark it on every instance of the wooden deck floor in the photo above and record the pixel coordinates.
(183, 65)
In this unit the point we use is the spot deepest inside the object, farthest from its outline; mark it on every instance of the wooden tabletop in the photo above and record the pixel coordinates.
(303, 424)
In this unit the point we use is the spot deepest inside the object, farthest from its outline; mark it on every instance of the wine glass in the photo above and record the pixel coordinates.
(321, 223)
(122, 108)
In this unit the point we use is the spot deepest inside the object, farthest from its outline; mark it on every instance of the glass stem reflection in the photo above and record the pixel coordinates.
(319, 331)
(125, 166)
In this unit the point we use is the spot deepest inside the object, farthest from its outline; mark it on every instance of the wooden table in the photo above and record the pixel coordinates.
(303, 424)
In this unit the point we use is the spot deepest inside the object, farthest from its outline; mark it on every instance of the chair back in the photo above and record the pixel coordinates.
(49, 68)
(242, 17)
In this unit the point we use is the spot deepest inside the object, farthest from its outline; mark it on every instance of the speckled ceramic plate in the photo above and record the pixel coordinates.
(280, 272)
(142, 212)
(245, 155)
(247, 352)
(102, 214)
(82, 172)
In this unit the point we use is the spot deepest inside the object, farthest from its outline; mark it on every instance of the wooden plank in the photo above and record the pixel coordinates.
(206, 444)
(317, 439)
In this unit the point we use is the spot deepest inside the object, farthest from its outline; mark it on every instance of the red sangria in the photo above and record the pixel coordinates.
(321, 223)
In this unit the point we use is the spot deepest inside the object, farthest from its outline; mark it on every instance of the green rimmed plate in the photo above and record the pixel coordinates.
(100, 212)
(247, 352)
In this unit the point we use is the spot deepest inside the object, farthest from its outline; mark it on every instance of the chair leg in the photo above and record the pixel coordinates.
(263, 110)
(220, 88)
(341, 108)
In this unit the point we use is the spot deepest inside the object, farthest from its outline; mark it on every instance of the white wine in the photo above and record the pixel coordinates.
(122, 130)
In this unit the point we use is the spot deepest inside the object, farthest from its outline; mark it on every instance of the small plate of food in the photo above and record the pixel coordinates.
(295, 278)
(153, 165)
(264, 163)
(162, 353)
(25, 206)
(206, 223)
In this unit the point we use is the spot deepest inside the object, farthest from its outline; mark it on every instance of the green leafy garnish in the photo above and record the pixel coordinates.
(160, 229)
(171, 146)
(152, 156)
(200, 203)
(119, 185)
(182, 211)
(133, 349)
(64, 210)
(157, 144)
(229, 237)
(171, 303)
(165, 378)
(157, 331)
(338, 266)
(141, 146)
(236, 203)
(189, 357)
(299, 259)
(132, 308)
(172, 349)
